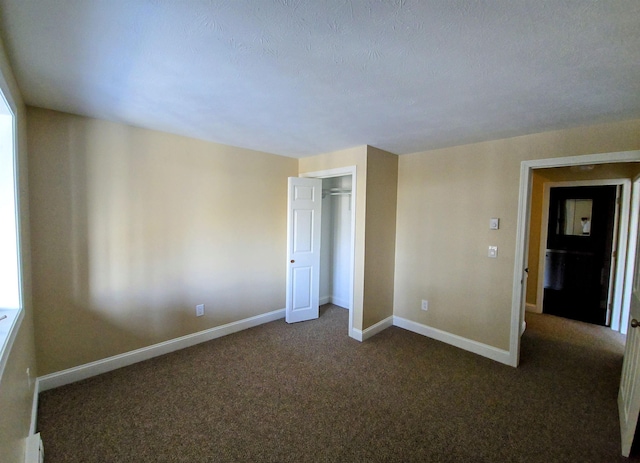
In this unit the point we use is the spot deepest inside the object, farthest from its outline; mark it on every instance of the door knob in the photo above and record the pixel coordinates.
(634, 323)
(293, 261)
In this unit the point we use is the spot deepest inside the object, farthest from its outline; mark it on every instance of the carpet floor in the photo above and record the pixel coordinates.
(309, 393)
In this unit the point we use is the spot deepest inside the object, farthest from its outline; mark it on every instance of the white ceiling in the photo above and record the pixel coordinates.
(302, 77)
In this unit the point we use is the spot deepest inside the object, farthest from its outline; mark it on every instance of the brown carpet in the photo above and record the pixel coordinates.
(307, 392)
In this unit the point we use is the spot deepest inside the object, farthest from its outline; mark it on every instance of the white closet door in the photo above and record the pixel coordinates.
(303, 249)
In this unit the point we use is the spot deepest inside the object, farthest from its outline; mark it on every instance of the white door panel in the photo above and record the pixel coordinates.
(302, 285)
(303, 249)
(629, 393)
(302, 231)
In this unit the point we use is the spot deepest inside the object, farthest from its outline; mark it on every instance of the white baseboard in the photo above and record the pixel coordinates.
(334, 300)
(532, 308)
(71, 375)
(34, 449)
(493, 353)
(378, 327)
(340, 302)
(356, 334)
(88, 370)
(34, 407)
(363, 335)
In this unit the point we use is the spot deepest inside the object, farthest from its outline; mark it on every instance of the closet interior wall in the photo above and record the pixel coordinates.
(336, 241)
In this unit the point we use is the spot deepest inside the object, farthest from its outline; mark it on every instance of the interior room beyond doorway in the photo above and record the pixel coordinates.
(599, 174)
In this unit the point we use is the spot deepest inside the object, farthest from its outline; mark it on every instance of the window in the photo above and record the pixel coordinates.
(9, 281)
(10, 293)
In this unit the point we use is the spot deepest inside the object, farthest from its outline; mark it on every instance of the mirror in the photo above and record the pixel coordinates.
(574, 217)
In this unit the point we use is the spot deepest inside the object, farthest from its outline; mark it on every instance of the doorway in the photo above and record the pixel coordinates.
(523, 230)
(550, 259)
(628, 403)
(337, 267)
(578, 255)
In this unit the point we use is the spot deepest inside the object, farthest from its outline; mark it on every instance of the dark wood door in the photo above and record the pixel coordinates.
(578, 254)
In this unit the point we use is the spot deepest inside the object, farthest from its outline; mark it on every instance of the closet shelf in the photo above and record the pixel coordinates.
(336, 192)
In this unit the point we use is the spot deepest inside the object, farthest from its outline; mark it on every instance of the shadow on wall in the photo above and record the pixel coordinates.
(133, 228)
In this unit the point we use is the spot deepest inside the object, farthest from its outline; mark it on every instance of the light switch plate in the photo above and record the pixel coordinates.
(199, 310)
(494, 223)
(493, 251)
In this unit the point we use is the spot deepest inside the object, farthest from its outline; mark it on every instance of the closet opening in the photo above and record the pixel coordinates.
(338, 238)
(335, 256)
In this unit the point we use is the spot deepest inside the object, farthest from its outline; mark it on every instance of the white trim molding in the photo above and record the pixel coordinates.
(335, 301)
(363, 335)
(34, 407)
(532, 308)
(631, 254)
(8, 332)
(493, 353)
(34, 449)
(484, 350)
(340, 302)
(98, 367)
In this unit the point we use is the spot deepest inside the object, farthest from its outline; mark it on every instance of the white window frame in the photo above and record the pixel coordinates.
(10, 326)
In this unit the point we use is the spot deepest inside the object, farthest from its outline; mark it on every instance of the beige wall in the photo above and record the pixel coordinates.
(561, 174)
(132, 228)
(345, 158)
(445, 200)
(16, 396)
(380, 235)
(535, 231)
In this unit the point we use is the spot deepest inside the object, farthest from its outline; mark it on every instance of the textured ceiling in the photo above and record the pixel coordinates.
(298, 77)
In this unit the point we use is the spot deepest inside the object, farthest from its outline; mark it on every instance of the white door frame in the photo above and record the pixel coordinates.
(622, 230)
(339, 172)
(522, 230)
(628, 392)
(634, 229)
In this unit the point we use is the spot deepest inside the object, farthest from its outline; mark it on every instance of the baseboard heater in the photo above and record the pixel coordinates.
(35, 450)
